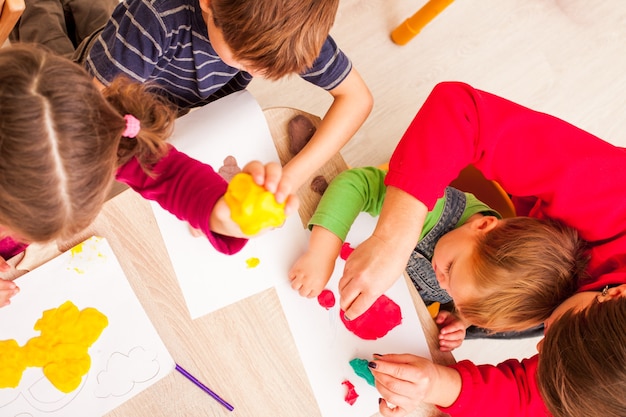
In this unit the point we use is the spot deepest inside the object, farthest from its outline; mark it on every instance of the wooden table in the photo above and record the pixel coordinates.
(244, 352)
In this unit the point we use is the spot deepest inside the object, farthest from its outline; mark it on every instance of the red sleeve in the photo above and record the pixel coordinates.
(186, 188)
(564, 172)
(508, 389)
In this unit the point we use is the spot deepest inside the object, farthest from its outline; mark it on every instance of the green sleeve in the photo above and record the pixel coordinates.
(473, 206)
(350, 193)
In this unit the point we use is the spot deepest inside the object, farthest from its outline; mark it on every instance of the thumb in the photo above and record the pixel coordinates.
(359, 306)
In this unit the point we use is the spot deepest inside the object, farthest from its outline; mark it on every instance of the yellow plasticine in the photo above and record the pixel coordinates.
(12, 364)
(253, 262)
(68, 365)
(66, 334)
(251, 206)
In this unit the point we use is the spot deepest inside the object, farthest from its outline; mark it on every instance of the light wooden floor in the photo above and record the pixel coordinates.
(564, 57)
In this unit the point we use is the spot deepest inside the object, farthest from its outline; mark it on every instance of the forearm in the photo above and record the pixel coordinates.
(446, 386)
(351, 192)
(351, 105)
(324, 244)
(186, 188)
(510, 388)
(400, 222)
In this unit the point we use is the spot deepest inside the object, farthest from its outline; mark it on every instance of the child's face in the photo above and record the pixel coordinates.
(452, 257)
(451, 262)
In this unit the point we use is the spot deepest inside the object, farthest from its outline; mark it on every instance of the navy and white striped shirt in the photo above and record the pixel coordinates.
(166, 41)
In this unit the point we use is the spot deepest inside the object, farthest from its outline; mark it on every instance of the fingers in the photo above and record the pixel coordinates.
(356, 305)
(195, 232)
(451, 339)
(4, 266)
(271, 177)
(7, 290)
(402, 380)
(397, 391)
(385, 410)
(267, 175)
(396, 358)
(451, 332)
(306, 276)
(292, 205)
(448, 344)
(300, 283)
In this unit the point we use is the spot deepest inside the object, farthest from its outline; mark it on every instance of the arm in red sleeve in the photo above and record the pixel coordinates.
(506, 390)
(574, 175)
(186, 188)
(565, 173)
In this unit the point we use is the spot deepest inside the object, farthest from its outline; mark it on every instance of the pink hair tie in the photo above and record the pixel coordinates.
(132, 126)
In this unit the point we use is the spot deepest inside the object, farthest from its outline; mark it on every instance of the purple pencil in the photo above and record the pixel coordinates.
(204, 387)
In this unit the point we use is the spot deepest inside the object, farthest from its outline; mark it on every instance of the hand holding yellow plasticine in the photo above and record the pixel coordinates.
(251, 206)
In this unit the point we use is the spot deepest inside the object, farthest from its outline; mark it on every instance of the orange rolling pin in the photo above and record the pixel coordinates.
(414, 24)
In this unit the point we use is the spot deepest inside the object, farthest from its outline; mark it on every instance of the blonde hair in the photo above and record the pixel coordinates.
(60, 139)
(523, 269)
(276, 37)
(582, 364)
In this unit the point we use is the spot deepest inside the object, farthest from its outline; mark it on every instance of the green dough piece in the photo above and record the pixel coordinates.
(361, 369)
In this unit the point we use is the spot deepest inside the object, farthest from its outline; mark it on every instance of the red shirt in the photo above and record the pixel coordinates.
(551, 168)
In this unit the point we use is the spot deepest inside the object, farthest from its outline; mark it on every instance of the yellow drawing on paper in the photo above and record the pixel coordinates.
(66, 334)
(252, 207)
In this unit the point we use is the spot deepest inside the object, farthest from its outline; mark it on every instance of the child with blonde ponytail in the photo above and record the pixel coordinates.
(63, 142)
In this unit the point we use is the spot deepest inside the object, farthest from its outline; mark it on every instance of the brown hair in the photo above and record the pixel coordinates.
(582, 365)
(59, 140)
(523, 269)
(277, 37)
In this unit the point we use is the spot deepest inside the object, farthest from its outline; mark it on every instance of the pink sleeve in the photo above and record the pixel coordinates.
(186, 188)
(508, 389)
(551, 168)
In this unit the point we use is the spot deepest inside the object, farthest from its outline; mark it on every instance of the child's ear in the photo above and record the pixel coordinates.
(205, 5)
(485, 223)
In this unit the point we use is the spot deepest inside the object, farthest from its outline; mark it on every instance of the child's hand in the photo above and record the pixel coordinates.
(266, 176)
(222, 223)
(310, 274)
(7, 290)
(270, 177)
(451, 331)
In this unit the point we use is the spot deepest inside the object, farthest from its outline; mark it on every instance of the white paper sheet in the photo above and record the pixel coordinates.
(234, 125)
(326, 346)
(128, 357)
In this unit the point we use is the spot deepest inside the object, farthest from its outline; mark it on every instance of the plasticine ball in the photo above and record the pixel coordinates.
(252, 207)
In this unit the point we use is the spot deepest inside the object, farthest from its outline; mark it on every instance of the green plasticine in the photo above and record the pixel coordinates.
(361, 369)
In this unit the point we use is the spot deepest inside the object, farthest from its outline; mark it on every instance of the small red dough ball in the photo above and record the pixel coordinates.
(346, 250)
(326, 299)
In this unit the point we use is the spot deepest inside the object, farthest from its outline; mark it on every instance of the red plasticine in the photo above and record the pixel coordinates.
(377, 321)
(346, 250)
(326, 299)
(351, 394)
